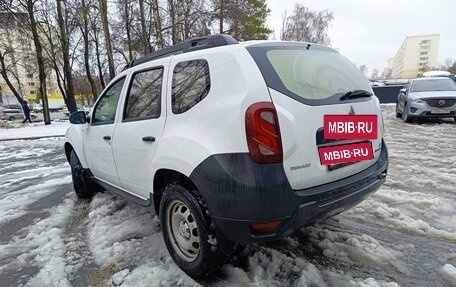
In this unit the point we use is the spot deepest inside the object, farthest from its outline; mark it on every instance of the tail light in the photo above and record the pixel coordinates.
(263, 133)
(265, 227)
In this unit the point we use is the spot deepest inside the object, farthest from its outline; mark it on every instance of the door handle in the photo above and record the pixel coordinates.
(148, 139)
(107, 138)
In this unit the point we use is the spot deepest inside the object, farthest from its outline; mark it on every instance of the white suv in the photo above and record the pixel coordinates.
(222, 139)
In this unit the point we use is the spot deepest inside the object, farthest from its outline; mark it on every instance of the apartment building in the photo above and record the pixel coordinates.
(416, 55)
(18, 48)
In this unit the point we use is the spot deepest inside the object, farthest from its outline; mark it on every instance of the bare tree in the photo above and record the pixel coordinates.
(30, 5)
(386, 73)
(306, 25)
(83, 18)
(5, 71)
(375, 74)
(69, 89)
(107, 36)
(146, 48)
(363, 69)
(158, 24)
(449, 65)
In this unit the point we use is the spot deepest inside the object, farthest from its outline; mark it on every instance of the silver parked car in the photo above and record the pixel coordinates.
(427, 98)
(14, 114)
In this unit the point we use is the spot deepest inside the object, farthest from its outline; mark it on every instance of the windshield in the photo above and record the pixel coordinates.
(433, 85)
(311, 76)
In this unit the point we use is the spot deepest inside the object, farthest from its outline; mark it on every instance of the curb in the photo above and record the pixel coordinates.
(31, 138)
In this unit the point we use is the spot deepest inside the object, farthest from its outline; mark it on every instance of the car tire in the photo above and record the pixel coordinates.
(11, 118)
(398, 114)
(189, 234)
(405, 117)
(84, 186)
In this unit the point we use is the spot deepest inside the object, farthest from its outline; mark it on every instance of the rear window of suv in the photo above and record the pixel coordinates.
(314, 76)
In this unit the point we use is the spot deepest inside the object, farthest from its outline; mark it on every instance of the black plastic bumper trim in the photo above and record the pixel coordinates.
(239, 192)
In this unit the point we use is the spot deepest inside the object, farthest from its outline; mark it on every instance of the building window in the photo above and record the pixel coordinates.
(32, 92)
(424, 58)
(423, 53)
(424, 42)
(31, 84)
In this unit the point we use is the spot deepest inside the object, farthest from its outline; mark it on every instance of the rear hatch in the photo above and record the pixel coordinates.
(307, 82)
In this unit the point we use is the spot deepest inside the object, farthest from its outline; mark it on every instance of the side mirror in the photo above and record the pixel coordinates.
(403, 91)
(78, 118)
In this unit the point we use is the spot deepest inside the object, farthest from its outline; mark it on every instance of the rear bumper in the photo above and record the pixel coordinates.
(239, 192)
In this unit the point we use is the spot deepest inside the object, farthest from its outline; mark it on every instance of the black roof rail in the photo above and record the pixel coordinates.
(189, 45)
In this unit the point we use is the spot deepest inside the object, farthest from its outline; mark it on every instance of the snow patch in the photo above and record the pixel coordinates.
(44, 247)
(449, 273)
(384, 215)
(34, 130)
(354, 249)
(14, 204)
(268, 267)
(120, 233)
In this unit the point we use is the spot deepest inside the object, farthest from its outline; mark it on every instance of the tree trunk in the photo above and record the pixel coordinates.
(85, 35)
(144, 36)
(69, 88)
(128, 28)
(40, 60)
(221, 16)
(104, 20)
(172, 14)
(4, 74)
(100, 68)
(158, 25)
(236, 20)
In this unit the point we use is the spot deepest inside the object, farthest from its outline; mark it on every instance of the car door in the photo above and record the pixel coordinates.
(99, 134)
(137, 134)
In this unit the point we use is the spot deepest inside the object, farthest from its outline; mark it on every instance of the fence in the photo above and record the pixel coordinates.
(387, 94)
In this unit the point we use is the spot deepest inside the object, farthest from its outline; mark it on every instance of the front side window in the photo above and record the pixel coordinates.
(143, 100)
(105, 111)
(191, 84)
(434, 85)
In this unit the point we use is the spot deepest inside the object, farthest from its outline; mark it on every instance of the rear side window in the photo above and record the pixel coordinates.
(191, 84)
(312, 76)
(143, 101)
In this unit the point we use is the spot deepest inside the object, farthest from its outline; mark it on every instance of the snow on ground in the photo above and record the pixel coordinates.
(42, 246)
(418, 196)
(25, 177)
(19, 130)
(404, 235)
(120, 233)
(449, 273)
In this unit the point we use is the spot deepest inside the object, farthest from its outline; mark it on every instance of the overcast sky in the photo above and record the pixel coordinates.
(371, 31)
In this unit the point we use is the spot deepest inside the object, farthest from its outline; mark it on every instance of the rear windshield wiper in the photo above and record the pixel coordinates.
(356, 94)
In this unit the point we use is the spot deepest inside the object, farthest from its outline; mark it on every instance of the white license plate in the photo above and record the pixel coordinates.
(440, 111)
